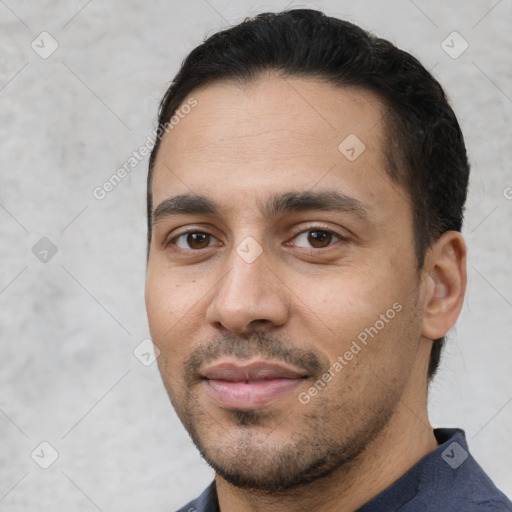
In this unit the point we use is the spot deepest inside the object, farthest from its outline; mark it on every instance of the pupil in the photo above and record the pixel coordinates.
(198, 240)
(319, 238)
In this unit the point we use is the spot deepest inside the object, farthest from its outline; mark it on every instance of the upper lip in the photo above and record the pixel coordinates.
(255, 370)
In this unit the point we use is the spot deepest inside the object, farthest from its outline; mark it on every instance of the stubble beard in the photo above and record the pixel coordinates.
(311, 453)
(248, 453)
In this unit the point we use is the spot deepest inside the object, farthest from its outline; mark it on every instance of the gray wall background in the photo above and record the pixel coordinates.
(69, 325)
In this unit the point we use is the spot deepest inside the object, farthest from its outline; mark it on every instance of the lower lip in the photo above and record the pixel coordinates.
(250, 395)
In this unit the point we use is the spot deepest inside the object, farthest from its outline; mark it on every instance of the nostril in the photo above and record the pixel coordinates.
(260, 321)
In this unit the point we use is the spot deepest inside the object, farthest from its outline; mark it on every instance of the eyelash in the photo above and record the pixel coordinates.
(325, 229)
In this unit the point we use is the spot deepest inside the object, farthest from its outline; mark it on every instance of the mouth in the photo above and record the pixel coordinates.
(249, 386)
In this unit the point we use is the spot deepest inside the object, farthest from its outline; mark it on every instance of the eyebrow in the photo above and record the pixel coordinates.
(274, 206)
(184, 204)
(307, 200)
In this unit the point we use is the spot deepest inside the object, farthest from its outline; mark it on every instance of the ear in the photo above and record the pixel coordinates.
(445, 264)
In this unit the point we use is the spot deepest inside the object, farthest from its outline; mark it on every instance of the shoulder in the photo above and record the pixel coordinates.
(454, 480)
(448, 479)
(207, 502)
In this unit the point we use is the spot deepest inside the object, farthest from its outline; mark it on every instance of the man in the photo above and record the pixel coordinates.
(305, 261)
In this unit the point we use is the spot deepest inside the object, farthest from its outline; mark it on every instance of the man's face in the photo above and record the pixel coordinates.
(285, 300)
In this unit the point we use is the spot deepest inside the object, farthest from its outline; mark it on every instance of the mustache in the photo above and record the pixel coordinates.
(261, 345)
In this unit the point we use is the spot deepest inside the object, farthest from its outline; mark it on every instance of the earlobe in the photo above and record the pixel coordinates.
(446, 267)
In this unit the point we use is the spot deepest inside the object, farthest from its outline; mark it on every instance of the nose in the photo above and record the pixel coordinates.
(250, 296)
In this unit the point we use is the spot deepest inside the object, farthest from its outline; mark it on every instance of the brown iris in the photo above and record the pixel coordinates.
(198, 240)
(319, 239)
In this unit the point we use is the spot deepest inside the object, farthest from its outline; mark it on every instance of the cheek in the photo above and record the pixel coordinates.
(362, 306)
(341, 298)
(171, 329)
(171, 308)
(169, 295)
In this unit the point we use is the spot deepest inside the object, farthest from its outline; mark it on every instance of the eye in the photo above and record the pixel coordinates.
(316, 238)
(193, 240)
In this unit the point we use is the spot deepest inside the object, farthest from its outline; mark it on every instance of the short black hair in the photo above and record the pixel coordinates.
(425, 153)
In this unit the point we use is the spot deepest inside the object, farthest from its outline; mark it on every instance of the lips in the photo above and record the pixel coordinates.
(254, 385)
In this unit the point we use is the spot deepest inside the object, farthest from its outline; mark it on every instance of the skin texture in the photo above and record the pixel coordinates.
(297, 303)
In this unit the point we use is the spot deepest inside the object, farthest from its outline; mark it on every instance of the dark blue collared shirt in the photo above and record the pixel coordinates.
(446, 480)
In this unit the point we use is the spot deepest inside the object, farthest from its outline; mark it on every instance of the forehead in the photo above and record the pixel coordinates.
(273, 133)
